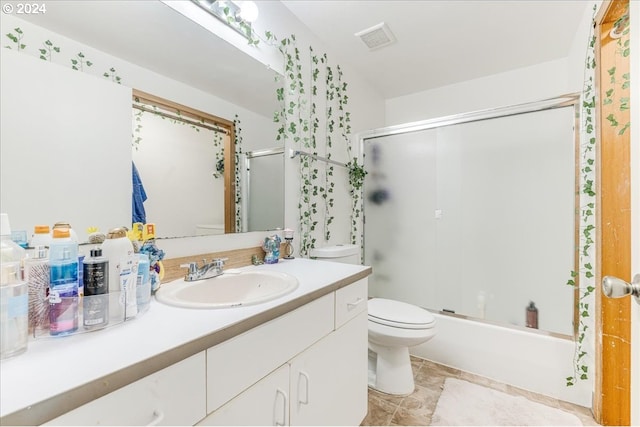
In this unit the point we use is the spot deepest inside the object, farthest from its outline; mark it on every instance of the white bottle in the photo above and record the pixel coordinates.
(14, 295)
(118, 249)
(41, 236)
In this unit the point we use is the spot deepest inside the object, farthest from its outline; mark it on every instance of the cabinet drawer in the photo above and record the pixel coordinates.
(351, 301)
(240, 362)
(173, 396)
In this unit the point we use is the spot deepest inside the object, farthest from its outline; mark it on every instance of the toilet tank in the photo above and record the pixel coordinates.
(347, 254)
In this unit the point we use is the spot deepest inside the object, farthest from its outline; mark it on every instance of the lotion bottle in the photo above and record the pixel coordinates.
(118, 249)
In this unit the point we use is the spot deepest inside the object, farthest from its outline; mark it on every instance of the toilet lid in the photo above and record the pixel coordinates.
(399, 314)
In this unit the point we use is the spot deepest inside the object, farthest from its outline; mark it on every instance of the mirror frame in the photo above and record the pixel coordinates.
(229, 146)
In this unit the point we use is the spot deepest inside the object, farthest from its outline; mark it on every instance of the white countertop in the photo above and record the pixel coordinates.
(53, 366)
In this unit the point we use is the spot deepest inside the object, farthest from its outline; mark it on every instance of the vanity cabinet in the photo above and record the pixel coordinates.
(328, 381)
(307, 366)
(323, 381)
(158, 399)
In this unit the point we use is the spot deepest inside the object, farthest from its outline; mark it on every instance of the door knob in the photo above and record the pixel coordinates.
(616, 288)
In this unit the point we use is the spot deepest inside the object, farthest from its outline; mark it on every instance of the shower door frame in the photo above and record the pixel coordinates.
(562, 101)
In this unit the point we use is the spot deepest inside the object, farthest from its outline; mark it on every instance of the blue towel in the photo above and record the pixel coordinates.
(139, 196)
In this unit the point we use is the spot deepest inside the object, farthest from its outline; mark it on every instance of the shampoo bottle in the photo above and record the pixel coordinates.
(14, 298)
(532, 316)
(95, 304)
(37, 276)
(63, 286)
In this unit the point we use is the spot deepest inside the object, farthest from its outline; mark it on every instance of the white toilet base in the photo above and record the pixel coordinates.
(393, 373)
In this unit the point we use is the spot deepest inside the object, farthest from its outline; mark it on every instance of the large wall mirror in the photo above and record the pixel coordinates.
(192, 173)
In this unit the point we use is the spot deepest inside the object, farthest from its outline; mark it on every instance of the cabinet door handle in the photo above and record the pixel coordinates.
(352, 305)
(282, 412)
(303, 375)
(158, 416)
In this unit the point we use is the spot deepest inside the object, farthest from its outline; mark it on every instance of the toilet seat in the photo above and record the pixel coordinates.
(398, 314)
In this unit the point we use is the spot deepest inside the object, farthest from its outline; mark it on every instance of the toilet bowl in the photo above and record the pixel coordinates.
(395, 326)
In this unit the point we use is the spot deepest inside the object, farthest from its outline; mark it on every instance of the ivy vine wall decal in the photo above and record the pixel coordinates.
(314, 118)
(584, 278)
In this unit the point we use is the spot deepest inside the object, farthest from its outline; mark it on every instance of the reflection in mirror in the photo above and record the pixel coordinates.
(149, 46)
(263, 179)
(180, 155)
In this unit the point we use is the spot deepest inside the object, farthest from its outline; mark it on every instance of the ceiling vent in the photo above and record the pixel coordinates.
(377, 36)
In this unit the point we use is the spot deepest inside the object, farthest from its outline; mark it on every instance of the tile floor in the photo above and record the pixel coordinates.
(417, 408)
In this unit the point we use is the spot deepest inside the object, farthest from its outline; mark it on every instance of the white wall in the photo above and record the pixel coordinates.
(541, 81)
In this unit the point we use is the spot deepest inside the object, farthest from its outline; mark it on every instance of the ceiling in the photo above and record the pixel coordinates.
(442, 42)
(438, 42)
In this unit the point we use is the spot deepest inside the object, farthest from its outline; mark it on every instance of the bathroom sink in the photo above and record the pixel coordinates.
(231, 289)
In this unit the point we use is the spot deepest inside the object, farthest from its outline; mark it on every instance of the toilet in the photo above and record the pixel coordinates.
(394, 326)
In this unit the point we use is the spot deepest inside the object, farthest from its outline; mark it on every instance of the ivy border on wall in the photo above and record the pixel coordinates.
(584, 278)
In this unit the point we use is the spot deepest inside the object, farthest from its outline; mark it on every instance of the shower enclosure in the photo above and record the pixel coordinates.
(474, 214)
(262, 189)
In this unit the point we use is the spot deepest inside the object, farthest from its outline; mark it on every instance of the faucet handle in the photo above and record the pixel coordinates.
(192, 266)
(219, 262)
(193, 270)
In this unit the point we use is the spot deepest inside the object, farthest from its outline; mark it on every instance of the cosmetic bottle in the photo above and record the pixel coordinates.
(63, 283)
(37, 276)
(118, 249)
(65, 225)
(532, 316)
(41, 236)
(74, 238)
(95, 303)
(14, 297)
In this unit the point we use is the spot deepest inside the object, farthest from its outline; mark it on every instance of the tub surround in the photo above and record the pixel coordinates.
(58, 375)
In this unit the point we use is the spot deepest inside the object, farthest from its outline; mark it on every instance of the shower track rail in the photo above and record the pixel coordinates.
(293, 153)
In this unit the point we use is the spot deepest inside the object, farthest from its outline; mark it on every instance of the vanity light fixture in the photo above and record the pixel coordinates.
(237, 14)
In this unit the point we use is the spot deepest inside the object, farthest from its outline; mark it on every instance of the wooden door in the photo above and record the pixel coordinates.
(612, 397)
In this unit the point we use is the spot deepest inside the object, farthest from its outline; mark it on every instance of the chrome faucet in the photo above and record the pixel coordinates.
(207, 271)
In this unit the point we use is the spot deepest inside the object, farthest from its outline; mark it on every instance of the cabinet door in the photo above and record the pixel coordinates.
(173, 396)
(236, 364)
(329, 380)
(266, 403)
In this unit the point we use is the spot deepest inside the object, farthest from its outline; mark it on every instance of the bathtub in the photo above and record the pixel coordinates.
(530, 360)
